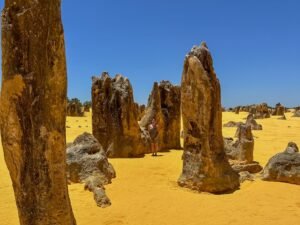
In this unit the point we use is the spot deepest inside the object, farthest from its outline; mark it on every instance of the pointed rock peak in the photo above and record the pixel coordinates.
(203, 44)
(105, 75)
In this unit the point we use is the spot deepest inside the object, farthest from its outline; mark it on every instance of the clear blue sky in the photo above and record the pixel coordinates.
(255, 44)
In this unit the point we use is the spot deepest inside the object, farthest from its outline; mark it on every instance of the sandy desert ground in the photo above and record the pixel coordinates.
(145, 191)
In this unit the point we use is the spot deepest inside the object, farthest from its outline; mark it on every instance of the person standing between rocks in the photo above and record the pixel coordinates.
(153, 131)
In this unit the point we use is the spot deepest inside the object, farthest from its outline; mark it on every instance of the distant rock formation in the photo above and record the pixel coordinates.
(74, 108)
(282, 118)
(279, 110)
(296, 113)
(237, 110)
(115, 117)
(164, 106)
(87, 106)
(87, 163)
(205, 165)
(251, 122)
(240, 152)
(261, 111)
(285, 166)
(232, 124)
(33, 110)
(245, 108)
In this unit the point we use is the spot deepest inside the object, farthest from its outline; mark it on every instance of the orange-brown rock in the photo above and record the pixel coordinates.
(237, 110)
(164, 106)
(75, 108)
(115, 116)
(240, 152)
(261, 111)
(279, 110)
(33, 110)
(141, 110)
(87, 106)
(252, 122)
(205, 165)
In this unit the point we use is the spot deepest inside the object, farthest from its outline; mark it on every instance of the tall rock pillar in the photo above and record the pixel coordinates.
(205, 165)
(33, 110)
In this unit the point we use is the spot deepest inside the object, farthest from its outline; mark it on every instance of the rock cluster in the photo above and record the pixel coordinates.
(205, 165)
(237, 110)
(285, 166)
(279, 110)
(33, 112)
(296, 113)
(164, 106)
(261, 111)
(87, 163)
(75, 108)
(249, 121)
(115, 116)
(87, 106)
(232, 124)
(240, 152)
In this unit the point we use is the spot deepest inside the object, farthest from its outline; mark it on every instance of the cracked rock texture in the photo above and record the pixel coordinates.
(115, 117)
(164, 106)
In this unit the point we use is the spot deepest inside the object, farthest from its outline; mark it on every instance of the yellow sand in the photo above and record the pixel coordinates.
(145, 190)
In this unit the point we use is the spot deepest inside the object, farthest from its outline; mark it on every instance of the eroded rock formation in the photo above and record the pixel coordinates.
(232, 124)
(115, 116)
(261, 111)
(87, 106)
(87, 163)
(285, 166)
(75, 108)
(296, 113)
(205, 165)
(141, 111)
(237, 110)
(252, 122)
(164, 106)
(33, 110)
(279, 110)
(240, 152)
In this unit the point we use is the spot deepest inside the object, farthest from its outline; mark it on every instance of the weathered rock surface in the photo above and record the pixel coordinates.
(141, 111)
(237, 110)
(296, 113)
(87, 163)
(246, 176)
(115, 117)
(87, 106)
(232, 124)
(33, 110)
(252, 122)
(285, 166)
(205, 165)
(240, 152)
(75, 108)
(261, 111)
(279, 110)
(164, 106)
